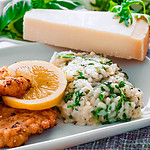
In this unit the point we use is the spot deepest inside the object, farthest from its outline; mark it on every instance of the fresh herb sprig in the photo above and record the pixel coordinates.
(68, 97)
(64, 55)
(124, 12)
(78, 96)
(80, 76)
(124, 8)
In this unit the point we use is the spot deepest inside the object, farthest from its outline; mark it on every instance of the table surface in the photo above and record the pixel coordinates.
(137, 139)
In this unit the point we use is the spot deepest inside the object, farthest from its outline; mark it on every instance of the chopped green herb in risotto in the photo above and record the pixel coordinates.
(97, 92)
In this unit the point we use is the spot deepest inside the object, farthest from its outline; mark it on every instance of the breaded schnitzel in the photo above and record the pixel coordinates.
(16, 125)
(12, 86)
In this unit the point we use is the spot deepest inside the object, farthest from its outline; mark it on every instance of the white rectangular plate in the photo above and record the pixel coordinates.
(66, 135)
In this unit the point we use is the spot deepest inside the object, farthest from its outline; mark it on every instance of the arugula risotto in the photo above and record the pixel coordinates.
(97, 91)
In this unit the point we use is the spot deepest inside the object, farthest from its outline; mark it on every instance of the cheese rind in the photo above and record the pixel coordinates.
(89, 31)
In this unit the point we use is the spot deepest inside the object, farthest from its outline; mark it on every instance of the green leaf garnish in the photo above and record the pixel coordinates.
(119, 104)
(70, 117)
(110, 88)
(125, 118)
(102, 88)
(91, 64)
(123, 11)
(77, 99)
(122, 84)
(63, 55)
(108, 62)
(103, 67)
(126, 99)
(68, 97)
(96, 113)
(80, 75)
(101, 97)
(129, 104)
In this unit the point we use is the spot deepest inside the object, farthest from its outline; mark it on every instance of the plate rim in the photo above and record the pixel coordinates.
(86, 134)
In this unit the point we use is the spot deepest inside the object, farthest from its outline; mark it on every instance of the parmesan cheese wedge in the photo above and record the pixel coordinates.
(88, 31)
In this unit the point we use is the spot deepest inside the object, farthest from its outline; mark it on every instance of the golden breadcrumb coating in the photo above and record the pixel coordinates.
(16, 125)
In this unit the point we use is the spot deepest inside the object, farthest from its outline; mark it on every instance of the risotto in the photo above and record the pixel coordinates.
(97, 91)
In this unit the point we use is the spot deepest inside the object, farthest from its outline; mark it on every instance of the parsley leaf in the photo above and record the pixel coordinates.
(125, 117)
(108, 62)
(77, 99)
(80, 75)
(70, 117)
(64, 55)
(110, 88)
(101, 97)
(123, 11)
(102, 88)
(91, 64)
(68, 97)
(122, 84)
(104, 68)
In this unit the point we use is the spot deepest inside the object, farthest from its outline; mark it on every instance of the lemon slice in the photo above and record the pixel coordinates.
(48, 84)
